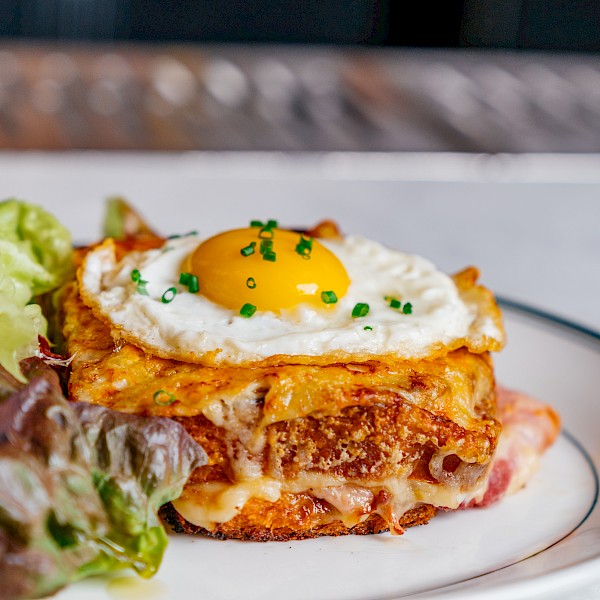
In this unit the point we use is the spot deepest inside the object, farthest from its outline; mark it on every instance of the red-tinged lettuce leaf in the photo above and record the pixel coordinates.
(50, 512)
(80, 486)
(140, 463)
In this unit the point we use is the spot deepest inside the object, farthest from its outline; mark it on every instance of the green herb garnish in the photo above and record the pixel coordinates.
(270, 224)
(141, 287)
(136, 277)
(248, 250)
(169, 295)
(266, 233)
(176, 236)
(191, 281)
(163, 398)
(329, 297)
(407, 308)
(393, 302)
(360, 310)
(266, 246)
(193, 285)
(247, 310)
(304, 247)
(251, 283)
(368, 328)
(266, 249)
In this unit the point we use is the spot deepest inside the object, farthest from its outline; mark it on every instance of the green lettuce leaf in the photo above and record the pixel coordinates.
(80, 486)
(35, 257)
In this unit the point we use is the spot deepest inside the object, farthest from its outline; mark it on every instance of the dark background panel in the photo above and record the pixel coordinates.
(334, 21)
(558, 24)
(528, 24)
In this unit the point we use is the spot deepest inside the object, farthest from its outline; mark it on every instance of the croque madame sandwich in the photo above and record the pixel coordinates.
(337, 386)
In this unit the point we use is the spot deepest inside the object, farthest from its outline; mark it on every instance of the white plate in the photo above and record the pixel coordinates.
(545, 539)
(543, 542)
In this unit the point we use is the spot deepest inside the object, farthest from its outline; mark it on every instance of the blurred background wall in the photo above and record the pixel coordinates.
(449, 75)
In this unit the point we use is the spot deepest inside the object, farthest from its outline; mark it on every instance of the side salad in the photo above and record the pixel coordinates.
(80, 485)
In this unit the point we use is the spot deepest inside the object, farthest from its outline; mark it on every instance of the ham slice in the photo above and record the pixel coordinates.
(529, 427)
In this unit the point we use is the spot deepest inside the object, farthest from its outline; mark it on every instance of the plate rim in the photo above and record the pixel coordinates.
(564, 576)
(540, 314)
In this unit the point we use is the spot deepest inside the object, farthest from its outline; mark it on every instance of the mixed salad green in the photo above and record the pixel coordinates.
(80, 485)
(35, 257)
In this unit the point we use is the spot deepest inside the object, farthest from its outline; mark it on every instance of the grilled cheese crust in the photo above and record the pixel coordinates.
(300, 450)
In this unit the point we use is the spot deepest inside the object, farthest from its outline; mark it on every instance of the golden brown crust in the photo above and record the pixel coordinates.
(294, 517)
(489, 314)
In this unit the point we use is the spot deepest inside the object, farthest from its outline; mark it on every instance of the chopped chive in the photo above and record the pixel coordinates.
(270, 256)
(304, 247)
(360, 310)
(141, 287)
(248, 250)
(167, 249)
(266, 246)
(266, 233)
(368, 328)
(191, 281)
(392, 301)
(247, 310)
(407, 308)
(163, 398)
(176, 236)
(256, 224)
(193, 285)
(329, 297)
(272, 224)
(251, 283)
(135, 275)
(303, 251)
(305, 254)
(169, 295)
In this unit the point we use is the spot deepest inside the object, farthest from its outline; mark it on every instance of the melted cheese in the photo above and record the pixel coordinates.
(208, 504)
(213, 502)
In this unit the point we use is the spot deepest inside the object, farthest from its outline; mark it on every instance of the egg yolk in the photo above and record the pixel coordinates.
(232, 272)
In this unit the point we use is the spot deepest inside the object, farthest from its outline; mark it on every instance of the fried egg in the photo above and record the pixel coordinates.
(252, 295)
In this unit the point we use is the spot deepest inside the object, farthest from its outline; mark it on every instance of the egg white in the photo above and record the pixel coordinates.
(193, 328)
